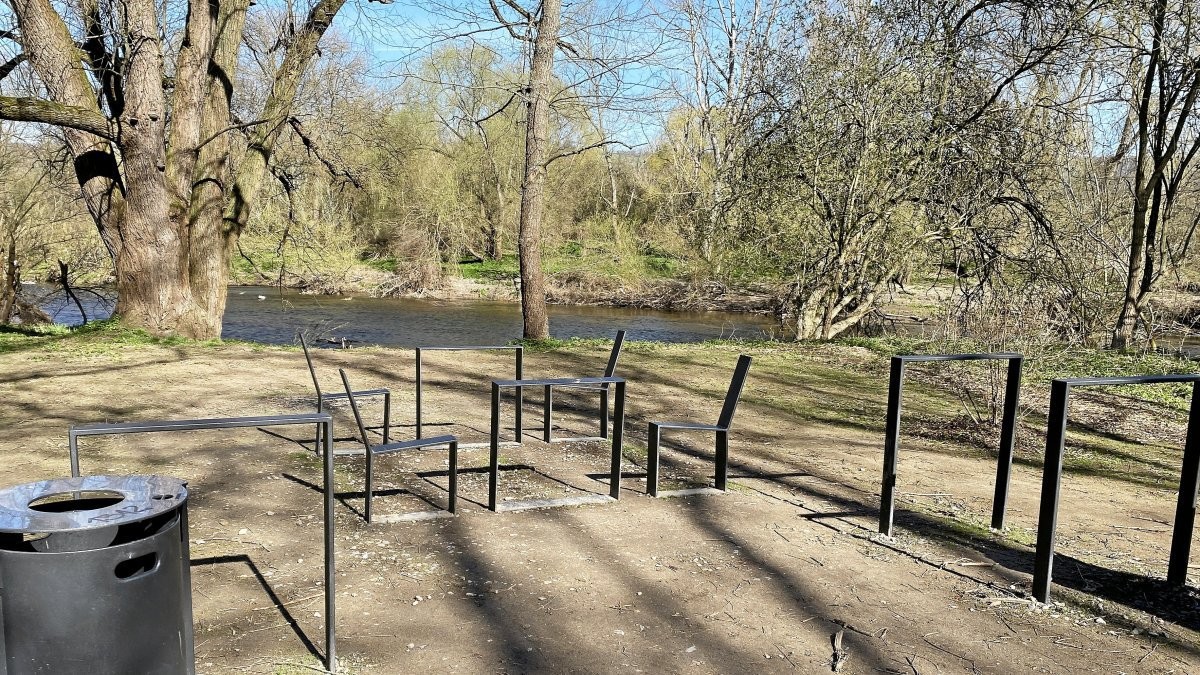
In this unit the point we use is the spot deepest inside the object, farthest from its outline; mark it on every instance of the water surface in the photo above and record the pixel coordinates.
(269, 315)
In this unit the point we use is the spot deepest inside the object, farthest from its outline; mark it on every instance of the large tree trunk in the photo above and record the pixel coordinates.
(9, 281)
(529, 243)
(152, 290)
(214, 237)
(170, 211)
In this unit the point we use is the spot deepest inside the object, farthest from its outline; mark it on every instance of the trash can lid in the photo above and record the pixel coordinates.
(87, 502)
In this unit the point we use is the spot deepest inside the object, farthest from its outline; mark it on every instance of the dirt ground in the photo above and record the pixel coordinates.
(764, 578)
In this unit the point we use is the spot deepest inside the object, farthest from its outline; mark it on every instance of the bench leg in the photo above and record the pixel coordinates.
(494, 465)
(387, 416)
(604, 413)
(369, 488)
(652, 460)
(618, 440)
(548, 407)
(722, 459)
(453, 476)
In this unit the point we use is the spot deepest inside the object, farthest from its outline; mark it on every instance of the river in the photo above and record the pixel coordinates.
(267, 314)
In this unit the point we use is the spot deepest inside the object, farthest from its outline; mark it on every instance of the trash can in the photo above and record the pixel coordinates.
(95, 577)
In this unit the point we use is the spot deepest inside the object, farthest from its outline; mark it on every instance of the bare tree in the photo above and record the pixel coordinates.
(1158, 40)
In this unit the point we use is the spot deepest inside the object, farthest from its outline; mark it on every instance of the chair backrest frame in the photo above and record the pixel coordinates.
(735, 391)
(311, 370)
(362, 428)
(611, 369)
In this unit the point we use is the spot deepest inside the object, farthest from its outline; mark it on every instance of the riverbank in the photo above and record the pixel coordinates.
(759, 578)
(562, 288)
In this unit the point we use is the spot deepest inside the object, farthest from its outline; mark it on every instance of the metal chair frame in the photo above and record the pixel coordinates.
(618, 422)
(386, 448)
(610, 370)
(518, 352)
(721, 428)
(322, 398)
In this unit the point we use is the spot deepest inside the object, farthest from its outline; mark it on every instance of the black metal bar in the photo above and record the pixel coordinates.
(924, 358)
(734, 394)
(653, 439)
(1008, 434)
(722, 468)
(369, 485)
(330, 571)
(604, 413)
(454, 477)
(324, 420)
(618, 433)
(610, 369)
(1185, 509)
(519, 430)
(370, 482)
(316, 385)
(1132, 379)
(418, 374)
(891, 446)
(547, 411)
(494, 457)
(1056, 432)
(558, 381)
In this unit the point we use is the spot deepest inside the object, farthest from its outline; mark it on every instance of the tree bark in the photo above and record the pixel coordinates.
(11, 282)
(529, 243)
(171, 209)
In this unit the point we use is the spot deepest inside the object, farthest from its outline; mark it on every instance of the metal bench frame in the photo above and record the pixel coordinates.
(618, 421)
(388, 448)
(1189, 477)
(520, 360)
(324, 421)
(1008, 427)
(732, 396)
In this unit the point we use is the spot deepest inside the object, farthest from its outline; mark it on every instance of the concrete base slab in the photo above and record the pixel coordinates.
(411, 517)
(528, 504)
(662, 494)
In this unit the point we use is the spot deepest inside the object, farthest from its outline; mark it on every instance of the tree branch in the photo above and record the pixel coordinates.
(232, 127)
(584, 149)
(504, 22)
(23, 109)
(12, 64)
(330, 164)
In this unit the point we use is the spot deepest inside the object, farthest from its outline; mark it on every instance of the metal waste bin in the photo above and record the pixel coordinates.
(95, 577)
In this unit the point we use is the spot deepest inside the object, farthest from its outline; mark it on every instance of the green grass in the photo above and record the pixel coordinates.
(1048, 362)
(593, 258)
(381, 264)
(503, 269)
(93, 339)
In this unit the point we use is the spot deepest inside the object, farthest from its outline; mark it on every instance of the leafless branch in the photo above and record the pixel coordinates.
(585, 148)
(335, 167)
